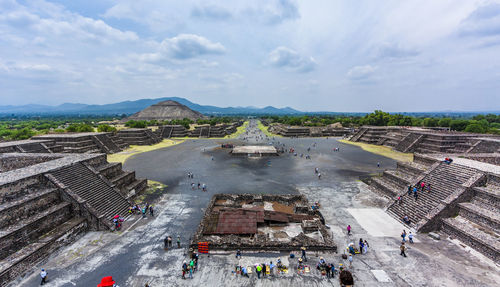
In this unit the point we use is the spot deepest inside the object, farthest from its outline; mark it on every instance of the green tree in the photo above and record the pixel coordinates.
(444, 122)
(105, 128)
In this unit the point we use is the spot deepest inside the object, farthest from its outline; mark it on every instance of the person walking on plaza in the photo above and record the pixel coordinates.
(238, 254)
(151, 211)
(258, 268)
(403, 249)
(348, 229)
(43, 275)
(178, 241)
(365, 247)
(410, 237)
(303, 249)
(169, 241)
(350, 260)
(403, 235)
(184, 269)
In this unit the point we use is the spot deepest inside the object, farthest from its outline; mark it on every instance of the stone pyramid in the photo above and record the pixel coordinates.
(166, 110)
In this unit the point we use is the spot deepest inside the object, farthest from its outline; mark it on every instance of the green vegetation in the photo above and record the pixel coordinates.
(265, 130)
(80, 128)
(239, 130)
(106, 128)
(478, 124)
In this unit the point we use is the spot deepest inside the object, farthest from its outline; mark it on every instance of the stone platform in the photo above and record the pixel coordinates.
(254, 150)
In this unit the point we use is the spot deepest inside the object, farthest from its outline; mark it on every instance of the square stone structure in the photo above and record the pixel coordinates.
(254, 150)
(262, 223)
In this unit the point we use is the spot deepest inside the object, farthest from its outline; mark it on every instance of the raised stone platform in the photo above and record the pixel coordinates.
(85, 142)
(142, 136)
(262, 222)
(254, 150)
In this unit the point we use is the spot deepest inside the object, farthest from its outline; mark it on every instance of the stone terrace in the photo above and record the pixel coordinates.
(30, 146)
(85, 142)
(48, 200)
(467, 188)
(142, 136)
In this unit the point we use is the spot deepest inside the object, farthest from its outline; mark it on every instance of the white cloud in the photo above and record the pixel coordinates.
(361, 72)
(289, 59)
(185, 46)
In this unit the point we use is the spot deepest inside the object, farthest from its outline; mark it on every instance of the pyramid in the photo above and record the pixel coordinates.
(166, 110)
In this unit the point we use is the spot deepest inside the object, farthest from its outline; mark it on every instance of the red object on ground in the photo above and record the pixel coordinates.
(106, 282)
(203, 247)
(116, 216)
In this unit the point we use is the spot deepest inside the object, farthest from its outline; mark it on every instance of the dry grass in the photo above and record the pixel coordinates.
(137, 149)
(382, 150)
(239, 130)
(266, 131)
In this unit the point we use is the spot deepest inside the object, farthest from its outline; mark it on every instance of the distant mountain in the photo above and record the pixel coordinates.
(131, 107)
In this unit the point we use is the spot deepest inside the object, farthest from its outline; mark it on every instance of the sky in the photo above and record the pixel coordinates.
(314, 55)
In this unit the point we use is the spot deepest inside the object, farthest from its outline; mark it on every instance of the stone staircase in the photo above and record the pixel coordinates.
(358, 135)
(478, 221)
(125, 181)
(34, 222)
(408, 142)
(95, 191)
(106, 144)
(444, 180)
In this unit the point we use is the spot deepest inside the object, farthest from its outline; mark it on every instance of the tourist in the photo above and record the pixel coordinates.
(415, 194)
(169, 241)
(332, 270)
(199, 184)
(178, 241)
(348, 229)
(144, 212)
(204, 187)
(244, 272)
(403, 249)
(151, 211)
(406, 220)
(319, 175)
(428, 187)
(422, 186)
(165, 243)
(238, 254)
(43, 275)
(192, 185)
(410, 237)
(303, 249)
(258, 269)
(316, 170)
(361, 245)
(365, 246)
(271, 268)
(184, 269)
(403, 235)
(263, 269)
(409, 189)
(190, 269)
(350, 260)
(378, 164)
(328, 269)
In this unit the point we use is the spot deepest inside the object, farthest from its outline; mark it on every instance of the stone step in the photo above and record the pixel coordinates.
(27, 206)
(490, 196)
(488, 218)
(27, 257)
(387, 187)
(14, 237)
(477, 237)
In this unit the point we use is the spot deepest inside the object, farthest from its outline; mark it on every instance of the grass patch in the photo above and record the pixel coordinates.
(266, 131)
(137, 149)
(382, 150)
(239, 130)
(153, 187)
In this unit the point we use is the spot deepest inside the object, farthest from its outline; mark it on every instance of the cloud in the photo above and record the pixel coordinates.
(185, 46)
(182, 47)
(361, 72)
(482, 22)
(395, 51)
(272, 12)
(283, 57)
(210, 12)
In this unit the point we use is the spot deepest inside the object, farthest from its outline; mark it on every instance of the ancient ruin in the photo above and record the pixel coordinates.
(254, 150)
(426, 140)
(165, 111)
(104, 142)
(49, 199)
(262, 222)
(294, 131)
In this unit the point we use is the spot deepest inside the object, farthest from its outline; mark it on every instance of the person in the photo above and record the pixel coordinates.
(43, 275)
(378, 164)
(319, 175)
(332, 270)
(178, 241)
(410, 237)
(328, 269)
(184, 269)
(403, 249)
(192, 185)
(204, 187)
(303, 249)
(244, 272)
(406, 219)
(144, 212)
(399, 200)
(348, 229)
(361, 245)
(263, 269)
(165, 243)
(409, 189)
(366, 247)
(190, 269)
(151, 211)
(238, 254)
(350, 260)
(403, 235)
(316, 170)
(169, 241)
(258, 269)
(422, 186)
(428, 187)
(415, 193)
(271, 268)
(199, 184)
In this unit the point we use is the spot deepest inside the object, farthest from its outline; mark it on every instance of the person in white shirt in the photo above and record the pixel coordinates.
(43, 275)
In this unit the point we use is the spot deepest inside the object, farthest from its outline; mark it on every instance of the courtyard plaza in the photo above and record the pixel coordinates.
(135, 255)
